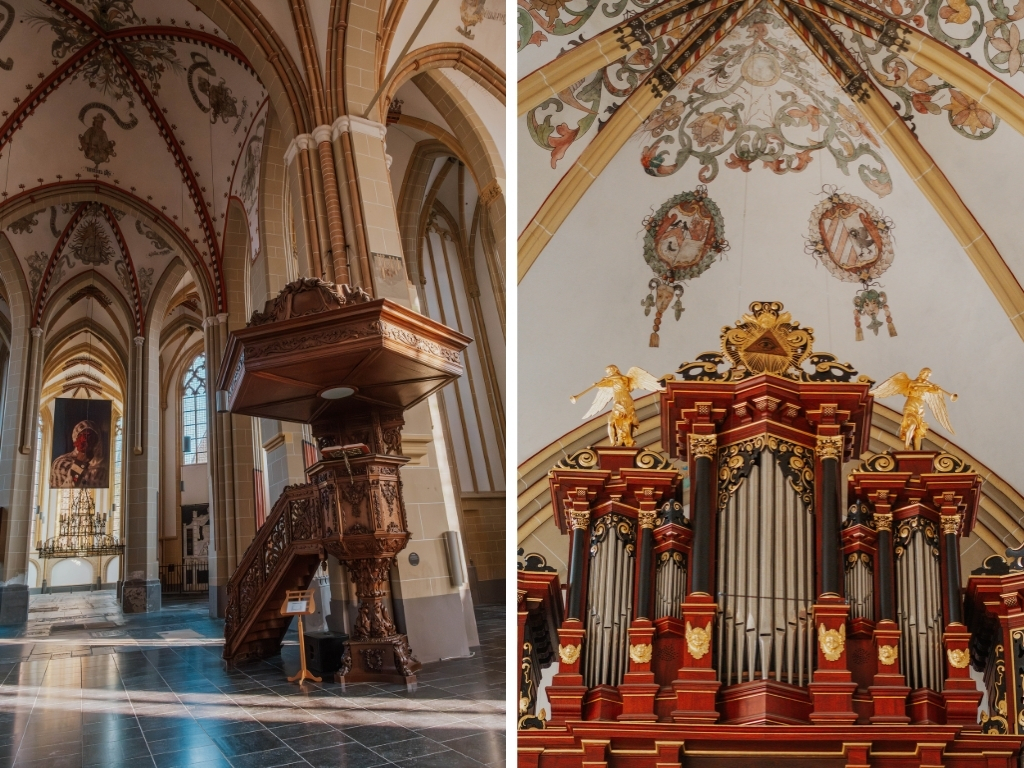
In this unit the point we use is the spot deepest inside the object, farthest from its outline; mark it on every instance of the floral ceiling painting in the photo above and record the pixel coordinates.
(580, 111)
(915, 91)
(761, 99)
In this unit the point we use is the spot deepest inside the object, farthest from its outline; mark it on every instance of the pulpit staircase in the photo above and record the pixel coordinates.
(284, 555)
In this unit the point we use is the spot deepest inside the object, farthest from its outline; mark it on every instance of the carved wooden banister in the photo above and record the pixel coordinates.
(296, 527)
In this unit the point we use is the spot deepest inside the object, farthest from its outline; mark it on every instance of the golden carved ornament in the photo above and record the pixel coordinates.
(580, 518)
(698, 641)
(646, 518)
(919, 392)
(883, 522)
(702, 446)
(829, 447)
(569, 654)
(766, 340)
(641, 654)
(832, 641)
(958, 657)
(616, 388)
(950, 524)
(887, 654)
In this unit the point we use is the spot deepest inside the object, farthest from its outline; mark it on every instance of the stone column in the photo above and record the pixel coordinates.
(141, 590)
(232, 518)
(17, 471)
(332, 202)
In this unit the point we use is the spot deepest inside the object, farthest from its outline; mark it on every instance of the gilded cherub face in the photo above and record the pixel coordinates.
(612, 370)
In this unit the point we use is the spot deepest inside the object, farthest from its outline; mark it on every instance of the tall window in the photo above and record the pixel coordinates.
(116, 502)
(193, 413)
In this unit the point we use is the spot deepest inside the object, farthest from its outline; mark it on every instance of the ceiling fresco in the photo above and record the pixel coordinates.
(813, 205)
(146, 98)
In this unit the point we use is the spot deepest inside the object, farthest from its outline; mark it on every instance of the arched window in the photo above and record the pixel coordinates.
(193, 413)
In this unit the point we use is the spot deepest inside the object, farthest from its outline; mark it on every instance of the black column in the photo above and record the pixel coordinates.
(830, 544)
(949, 526)
(885, 580)
(580, 524)
(643, 609)
(700, 568)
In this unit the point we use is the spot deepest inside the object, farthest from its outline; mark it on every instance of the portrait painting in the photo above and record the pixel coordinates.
(81, 441)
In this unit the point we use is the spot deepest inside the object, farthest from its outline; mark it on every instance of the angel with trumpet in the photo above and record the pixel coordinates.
(919, 392)
(617, 386)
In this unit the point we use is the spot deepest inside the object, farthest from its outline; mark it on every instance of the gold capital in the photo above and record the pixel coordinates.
(950, 524)
(580, 518)
(830, 447)
(883, 522)
(646, 518)
(702, 446)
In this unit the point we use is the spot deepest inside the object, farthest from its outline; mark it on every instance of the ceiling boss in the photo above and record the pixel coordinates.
(616, 386)
(919, 391)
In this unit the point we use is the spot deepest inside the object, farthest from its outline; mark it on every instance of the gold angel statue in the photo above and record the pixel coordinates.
(918, 392)
(617, 386)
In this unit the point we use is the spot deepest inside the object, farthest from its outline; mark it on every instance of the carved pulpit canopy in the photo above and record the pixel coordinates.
(319, 351)
(768, 341)
(308, 296)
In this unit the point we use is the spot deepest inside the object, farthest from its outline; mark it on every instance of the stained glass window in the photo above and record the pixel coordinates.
(193, 413)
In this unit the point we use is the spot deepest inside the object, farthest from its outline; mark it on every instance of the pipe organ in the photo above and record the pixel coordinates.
(705, 614)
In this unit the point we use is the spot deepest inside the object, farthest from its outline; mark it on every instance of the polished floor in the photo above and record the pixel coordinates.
(83, 685)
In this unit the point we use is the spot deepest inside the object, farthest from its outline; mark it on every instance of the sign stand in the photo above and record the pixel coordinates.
(299, 602)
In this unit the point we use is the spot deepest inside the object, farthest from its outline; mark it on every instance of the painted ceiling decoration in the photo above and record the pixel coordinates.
(854, 242)
(771, 86)
(139, 78)
(681, 240)
(756, 97)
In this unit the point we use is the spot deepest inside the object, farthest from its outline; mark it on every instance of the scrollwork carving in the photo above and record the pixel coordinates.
(584, 459)
(623, 527)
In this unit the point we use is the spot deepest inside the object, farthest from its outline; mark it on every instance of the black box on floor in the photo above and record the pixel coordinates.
(324, 651)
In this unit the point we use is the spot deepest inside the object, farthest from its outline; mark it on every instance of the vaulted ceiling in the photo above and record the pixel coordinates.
(136, 101)
(768, 113)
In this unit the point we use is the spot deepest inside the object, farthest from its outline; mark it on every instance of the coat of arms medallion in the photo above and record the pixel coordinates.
(854, 242)
(681, 240)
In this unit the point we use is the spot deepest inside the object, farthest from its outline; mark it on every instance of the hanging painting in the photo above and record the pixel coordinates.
(81, 435)
(681, 241)
(854, 242)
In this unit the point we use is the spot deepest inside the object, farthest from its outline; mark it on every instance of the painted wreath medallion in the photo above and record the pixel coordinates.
(681, 241)
(854, 242)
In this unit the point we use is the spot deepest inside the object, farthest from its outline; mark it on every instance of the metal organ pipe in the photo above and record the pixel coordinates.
(669, 585)
(765, 576)
(919, 602)
(609, 600)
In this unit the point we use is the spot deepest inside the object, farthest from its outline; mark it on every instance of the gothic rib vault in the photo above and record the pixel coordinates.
(773, 107)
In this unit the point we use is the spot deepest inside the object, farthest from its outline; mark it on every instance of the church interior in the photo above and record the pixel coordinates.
(773, 246)
(252, 383)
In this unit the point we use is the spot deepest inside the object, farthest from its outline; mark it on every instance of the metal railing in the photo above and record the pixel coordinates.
(190, 578)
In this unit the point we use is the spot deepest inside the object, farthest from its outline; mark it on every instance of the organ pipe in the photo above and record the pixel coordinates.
(919, 602)
(765, 561)
(670, 585)
(609, 599)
